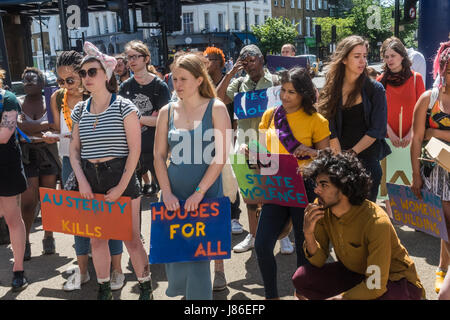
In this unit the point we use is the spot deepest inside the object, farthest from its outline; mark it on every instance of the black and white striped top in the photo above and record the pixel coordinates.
(103, 135)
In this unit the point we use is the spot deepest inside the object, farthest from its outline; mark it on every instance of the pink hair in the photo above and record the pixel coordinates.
(443, 51)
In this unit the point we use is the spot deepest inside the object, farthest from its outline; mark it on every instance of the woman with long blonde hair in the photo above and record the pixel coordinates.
(355, 107)
(196, 111)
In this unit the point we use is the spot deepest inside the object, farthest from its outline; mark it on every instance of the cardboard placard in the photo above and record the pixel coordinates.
(253, 104)
(425, 215)
(181, 236)
(67, 212)
(277, 63)
(275, 178)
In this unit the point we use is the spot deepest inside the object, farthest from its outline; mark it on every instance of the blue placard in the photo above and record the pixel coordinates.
(278, 63)
(425, 215)
(253, 104)
(180, 236)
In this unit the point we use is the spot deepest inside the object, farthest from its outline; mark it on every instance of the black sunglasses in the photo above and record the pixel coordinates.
(69, 81)
(91, 72)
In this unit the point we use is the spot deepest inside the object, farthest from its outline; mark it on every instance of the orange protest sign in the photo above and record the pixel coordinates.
(67, 212)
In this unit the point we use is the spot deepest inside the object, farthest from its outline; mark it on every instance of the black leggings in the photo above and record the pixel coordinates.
(271, 223)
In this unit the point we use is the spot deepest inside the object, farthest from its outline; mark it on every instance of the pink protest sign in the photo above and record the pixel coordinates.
(275, 178)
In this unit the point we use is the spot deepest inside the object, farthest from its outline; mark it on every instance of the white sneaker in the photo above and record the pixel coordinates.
(117, 280)
(247, 244)
(286, 246)
(236, 227)
(75, 281)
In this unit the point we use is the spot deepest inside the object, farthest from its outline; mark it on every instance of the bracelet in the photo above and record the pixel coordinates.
(198, 190)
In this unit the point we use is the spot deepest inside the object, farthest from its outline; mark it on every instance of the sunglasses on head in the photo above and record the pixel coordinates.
(91, 72)
(69, 81)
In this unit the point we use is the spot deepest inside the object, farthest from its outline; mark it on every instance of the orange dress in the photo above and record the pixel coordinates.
(404, 96)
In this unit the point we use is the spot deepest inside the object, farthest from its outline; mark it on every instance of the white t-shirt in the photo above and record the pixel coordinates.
(418, 63)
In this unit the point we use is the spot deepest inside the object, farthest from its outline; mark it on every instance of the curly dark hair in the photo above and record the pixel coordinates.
(303, 85)
(39, 73)
(345, 172)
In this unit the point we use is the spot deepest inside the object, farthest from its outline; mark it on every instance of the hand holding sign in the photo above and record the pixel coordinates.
(182, 235)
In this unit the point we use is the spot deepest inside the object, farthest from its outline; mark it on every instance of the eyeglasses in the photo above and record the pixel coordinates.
(91, 72)
(70, 81)
(134, 57)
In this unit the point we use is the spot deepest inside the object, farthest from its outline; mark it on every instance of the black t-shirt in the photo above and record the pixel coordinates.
(353, 129)
(148, 99)
(10, 151)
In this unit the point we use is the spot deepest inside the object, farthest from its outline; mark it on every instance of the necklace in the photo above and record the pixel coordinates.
(96, 115)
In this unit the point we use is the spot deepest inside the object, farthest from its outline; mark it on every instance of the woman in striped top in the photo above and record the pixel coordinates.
(104, 152)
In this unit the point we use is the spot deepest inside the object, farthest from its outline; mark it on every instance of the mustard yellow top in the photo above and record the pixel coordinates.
(361, 238)
(307, 129)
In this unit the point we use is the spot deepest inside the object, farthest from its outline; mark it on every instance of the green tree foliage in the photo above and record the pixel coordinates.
(372, 19)
(274, 33)
(343, 28)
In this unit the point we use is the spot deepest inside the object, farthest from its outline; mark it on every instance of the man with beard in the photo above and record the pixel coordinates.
(122, 71)
(372, 263)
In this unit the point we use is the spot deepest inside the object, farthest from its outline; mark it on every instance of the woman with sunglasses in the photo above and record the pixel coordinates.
(104, 152)
(40, 159)
(62, 103)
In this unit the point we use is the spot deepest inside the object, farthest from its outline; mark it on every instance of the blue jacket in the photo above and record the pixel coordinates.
(375, 115)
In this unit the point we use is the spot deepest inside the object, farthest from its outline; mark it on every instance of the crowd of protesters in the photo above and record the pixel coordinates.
(116, 120)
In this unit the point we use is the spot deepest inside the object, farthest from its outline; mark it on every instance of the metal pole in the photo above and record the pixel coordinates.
(246, 22)
(164, 43)
(42, 37)
(397, 18)
(62, 21)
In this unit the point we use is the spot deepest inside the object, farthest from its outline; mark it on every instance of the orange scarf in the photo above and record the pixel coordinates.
(67, 112)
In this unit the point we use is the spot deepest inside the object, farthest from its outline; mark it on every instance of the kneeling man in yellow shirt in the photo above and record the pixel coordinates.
(372, 263)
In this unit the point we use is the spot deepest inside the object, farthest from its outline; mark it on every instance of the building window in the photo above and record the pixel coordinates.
(313, 5)
(299, 4)
(325, 4)
(114, 23)
(275, 3)
(105, 24)
(257, 19)
(188, 22)
(308, 26)
(207, 21)
(308, 4)
(314, 27)
(265, 18)
(319, 4)
(292, 4)
(236, 21)
(300, 29)
(97, 25)
(282, 3)
(221, 26)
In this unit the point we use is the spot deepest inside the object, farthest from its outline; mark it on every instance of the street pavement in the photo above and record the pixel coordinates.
(47, 273)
